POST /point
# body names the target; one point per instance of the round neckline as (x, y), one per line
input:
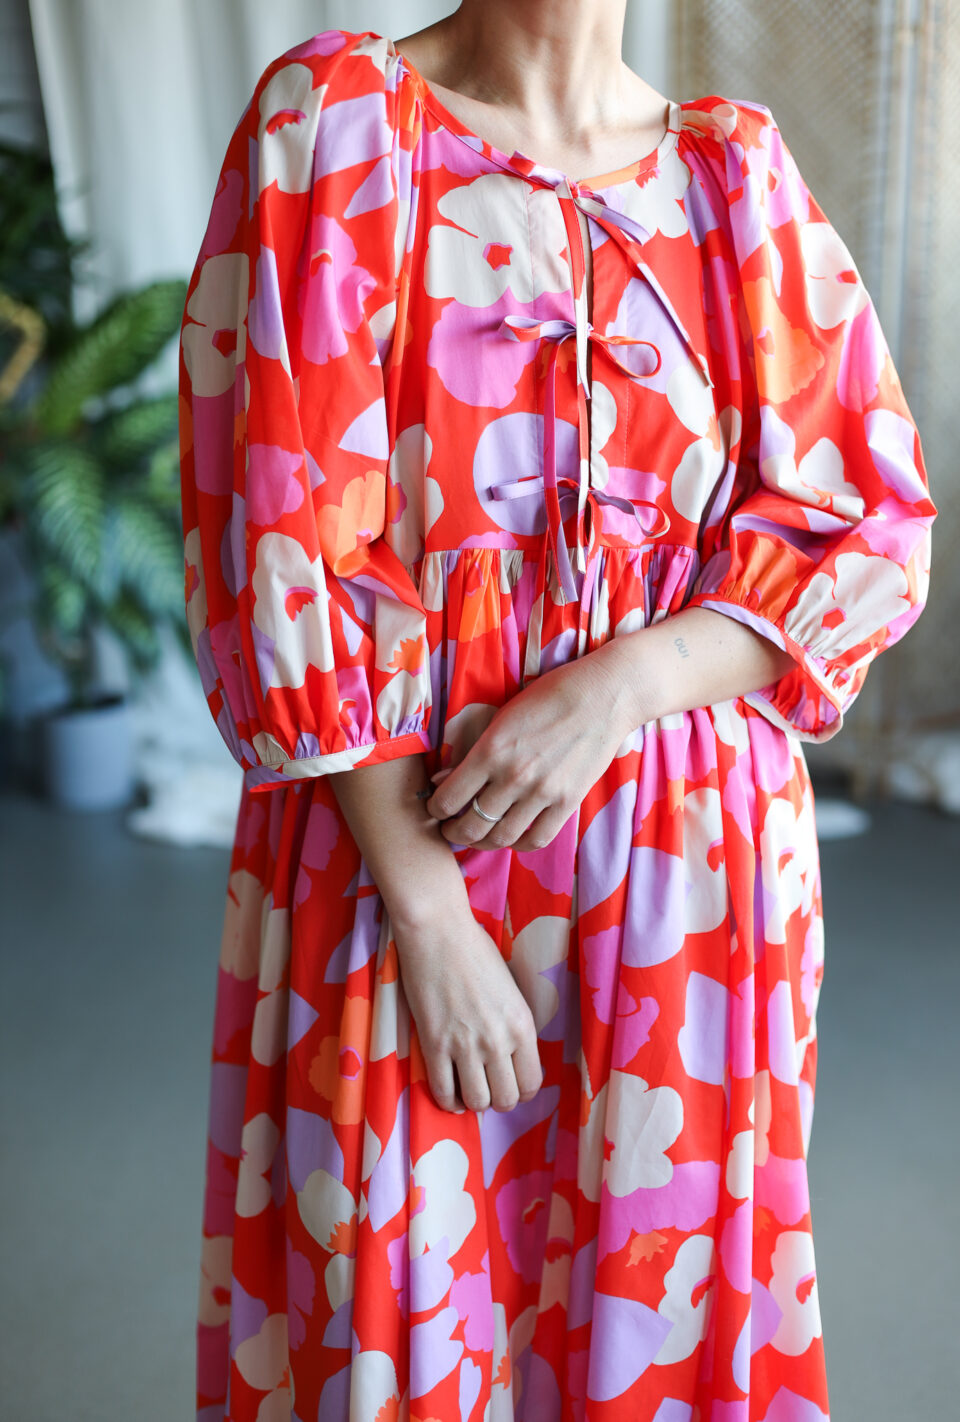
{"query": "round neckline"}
(518, 160)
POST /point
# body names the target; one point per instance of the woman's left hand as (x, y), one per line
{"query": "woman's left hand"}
(538, 757)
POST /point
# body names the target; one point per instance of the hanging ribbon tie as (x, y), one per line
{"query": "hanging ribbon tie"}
(553, 485)
(555, 488)
(558, 490)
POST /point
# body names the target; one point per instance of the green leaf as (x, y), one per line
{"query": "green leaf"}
(136, 629)
(65, 507)
(163, 481)
(123, 340)
(63, 604)
(128, 434)
(144, 551)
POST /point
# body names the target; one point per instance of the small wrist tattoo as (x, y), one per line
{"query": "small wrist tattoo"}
(681, 646)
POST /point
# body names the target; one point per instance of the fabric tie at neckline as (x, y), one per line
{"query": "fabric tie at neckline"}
(556, 486)
(629, 235)
(559, 488)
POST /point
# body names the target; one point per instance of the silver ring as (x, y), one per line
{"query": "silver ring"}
(491, 819)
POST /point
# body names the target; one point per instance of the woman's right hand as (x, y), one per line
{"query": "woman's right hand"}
(472, 1020)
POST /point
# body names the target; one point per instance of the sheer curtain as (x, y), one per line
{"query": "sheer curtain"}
(864, 92)
(141, 99)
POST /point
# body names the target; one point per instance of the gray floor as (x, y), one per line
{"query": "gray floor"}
(106, 1011)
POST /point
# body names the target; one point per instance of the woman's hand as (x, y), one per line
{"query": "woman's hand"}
(538, 757)
(544, 749)
(476, 1030)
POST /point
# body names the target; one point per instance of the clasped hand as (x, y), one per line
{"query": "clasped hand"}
(537, 758)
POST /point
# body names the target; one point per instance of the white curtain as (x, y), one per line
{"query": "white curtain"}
(140, 101)
(867, 105)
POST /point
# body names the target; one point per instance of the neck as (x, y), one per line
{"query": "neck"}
(557, 62)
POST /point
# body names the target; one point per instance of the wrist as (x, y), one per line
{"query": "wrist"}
(433, 891)
(634, 681)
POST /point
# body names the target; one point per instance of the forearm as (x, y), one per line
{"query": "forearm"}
(411, 863)
(694, 658)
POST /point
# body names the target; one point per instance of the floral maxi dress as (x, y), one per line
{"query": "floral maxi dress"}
(417, 472)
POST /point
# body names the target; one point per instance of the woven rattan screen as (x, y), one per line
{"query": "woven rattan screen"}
(862, 91)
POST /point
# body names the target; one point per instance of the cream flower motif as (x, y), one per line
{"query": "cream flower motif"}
(693, 1265)
(195, 590)
(289, 112)
(541, 945)
(818, 479)
(327, 1209)
(258, 1147)
(214, 340)
(475, 260)
(290, 607)
(655, 204)
(703, 463)
(642, 1123)
(835, 292)
(409, 459)
(794, 1288)
(215, 1275)
(268, 1038)
(604, 413)
(590, 1148)
(449, 1208)
(338, 1279)
(276, 1406)
(373, 1386)
(691, 400)
(263, 1359)
(840, 609)
(240, 939)
(787, 852)
(705, 906)
(740, 1166)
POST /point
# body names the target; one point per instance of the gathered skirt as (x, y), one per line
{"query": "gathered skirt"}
(633, 1243)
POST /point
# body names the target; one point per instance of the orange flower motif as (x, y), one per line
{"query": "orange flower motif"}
(646, 1246)
(338, 1071)
(343, 1239)
(408, 656)
(358, 518)
(787, 359)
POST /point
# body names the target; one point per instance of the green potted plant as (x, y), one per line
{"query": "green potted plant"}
(89, 476)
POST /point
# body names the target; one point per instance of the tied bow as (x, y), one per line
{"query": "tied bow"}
(555, 488)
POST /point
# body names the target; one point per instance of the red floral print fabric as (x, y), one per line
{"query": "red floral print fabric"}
(417, 472)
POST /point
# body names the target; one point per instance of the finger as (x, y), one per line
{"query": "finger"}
(502, 1081)
(440, 1077)
(474, 1088)
(459, 787)
(471, 828)
(513, 825)
(527, 1069)
(544, 828)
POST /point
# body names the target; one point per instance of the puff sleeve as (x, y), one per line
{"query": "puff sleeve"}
(825, 546)
(308, 629)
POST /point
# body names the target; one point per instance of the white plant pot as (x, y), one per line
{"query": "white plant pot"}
(88, 755)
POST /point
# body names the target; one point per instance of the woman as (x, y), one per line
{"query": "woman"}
(532, 523)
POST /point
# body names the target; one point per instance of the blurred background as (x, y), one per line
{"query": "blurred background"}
(117, 796)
